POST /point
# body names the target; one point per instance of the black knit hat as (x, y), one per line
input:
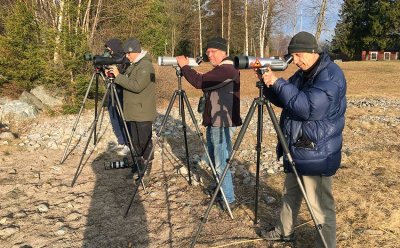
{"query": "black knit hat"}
(132, 45)
(218, 43)
(303, 42)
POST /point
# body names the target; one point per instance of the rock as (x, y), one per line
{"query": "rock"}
(7, 136)
(8, 231)
(44, 96)
(183, 171)
(269, 199)
(17, 111)
(32, 100)
(43, 208)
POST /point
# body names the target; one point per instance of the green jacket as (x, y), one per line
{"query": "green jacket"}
(139, 89)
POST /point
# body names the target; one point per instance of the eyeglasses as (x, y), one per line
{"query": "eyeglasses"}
(211, 51)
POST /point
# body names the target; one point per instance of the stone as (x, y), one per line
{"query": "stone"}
(16, 111)
(32, 100)
(8, 231)
(43, 208)
(44, 96)
(7, 136)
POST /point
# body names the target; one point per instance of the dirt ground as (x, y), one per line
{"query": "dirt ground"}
(39, 208)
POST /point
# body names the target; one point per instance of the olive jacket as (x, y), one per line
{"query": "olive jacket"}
(139, 89)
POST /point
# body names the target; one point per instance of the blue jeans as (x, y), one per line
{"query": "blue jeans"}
(116, 122)
(219, 144)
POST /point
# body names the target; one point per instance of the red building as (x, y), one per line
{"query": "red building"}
(379, 55)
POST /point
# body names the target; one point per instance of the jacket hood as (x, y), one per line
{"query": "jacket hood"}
(143, 55)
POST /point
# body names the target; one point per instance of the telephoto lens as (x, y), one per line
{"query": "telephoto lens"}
(117, 164)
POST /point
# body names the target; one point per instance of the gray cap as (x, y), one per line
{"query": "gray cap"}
(132, 45)
(303, 42)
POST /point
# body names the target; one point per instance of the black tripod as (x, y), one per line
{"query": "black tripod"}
(96, 75)
(260, 101)
(110, 89)
(183, 99)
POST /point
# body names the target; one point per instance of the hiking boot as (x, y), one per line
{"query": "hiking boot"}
(274, 235)
(232, 205)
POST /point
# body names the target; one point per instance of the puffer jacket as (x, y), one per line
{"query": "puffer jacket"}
(139, 89)
(312, 119)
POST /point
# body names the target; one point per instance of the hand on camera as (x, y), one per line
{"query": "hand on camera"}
(113, 70)
(182, 61)
(269, 78)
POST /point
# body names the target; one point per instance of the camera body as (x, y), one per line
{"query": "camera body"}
(273, 63)
(171, 61)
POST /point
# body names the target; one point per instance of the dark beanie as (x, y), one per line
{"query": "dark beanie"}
(218, 43)
(303, 42)
(132, 45)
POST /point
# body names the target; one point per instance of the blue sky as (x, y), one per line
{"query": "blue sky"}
(309, 19)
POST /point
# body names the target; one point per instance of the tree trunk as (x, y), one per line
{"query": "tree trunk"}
(321, 20)
(263, 26)
(200, 28)
(246, 25)
(95, 21)
(60, 17)
(222, 18)
(229, 24)
(86, 19)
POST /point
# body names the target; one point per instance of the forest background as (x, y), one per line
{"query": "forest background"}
(42, 42)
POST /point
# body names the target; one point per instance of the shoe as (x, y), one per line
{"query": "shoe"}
(232, 206)
(124, 151)
(274, 235)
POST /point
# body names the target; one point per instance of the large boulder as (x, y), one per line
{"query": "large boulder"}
(32, 100)
(45, 97)
(16, 111)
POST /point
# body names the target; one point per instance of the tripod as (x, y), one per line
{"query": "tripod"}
(260, 101)
(110, 89)
(96, 75)
(182, 100)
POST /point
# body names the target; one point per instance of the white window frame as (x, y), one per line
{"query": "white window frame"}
(384, 55)
(372, 54)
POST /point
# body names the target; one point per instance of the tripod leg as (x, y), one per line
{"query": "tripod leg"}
(163, 123)
(90, 136)
(96, 100)
(182, 112)
(228, 165)
(131, 148)
(285, 147)
(77, 119)
(199, 134)
(258, 149)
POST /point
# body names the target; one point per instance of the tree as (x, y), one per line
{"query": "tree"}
(367, 25)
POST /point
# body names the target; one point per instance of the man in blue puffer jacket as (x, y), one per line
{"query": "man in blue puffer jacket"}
(312, 120)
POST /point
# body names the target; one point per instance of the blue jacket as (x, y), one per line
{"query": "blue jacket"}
(312, 119)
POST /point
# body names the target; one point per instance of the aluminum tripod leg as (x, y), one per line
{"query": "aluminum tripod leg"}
(158, 135)
(228, 165)
(214, 172)
(110, 89)
(285, 147)
(77, 119)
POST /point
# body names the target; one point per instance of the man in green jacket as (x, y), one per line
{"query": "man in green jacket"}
(138, 84)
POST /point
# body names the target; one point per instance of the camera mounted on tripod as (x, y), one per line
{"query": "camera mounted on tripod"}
(102, 62)
(171, 61)
(263, 64)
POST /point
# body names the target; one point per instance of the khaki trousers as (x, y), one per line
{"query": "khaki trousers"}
(319, 192)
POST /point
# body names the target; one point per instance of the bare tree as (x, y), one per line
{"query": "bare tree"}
(229, 24)
(321, 19)
(222, 18)
(263, 25)
(246, 25)
(200, 28)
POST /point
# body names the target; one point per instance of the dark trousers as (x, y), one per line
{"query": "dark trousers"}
(141, 132)
(116, 121)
